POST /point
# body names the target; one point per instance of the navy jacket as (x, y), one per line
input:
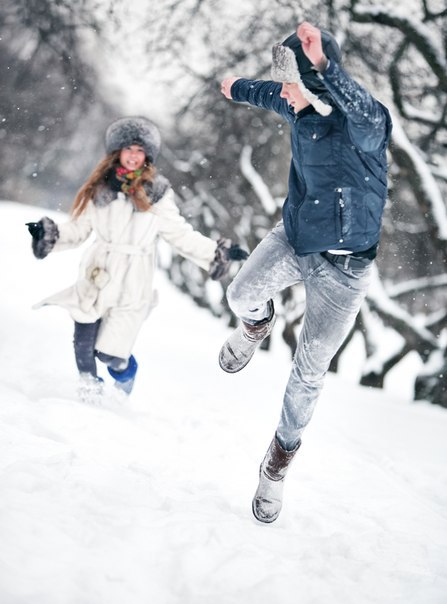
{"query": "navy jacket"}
(338, 173)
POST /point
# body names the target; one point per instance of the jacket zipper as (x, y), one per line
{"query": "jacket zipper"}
(341, 205)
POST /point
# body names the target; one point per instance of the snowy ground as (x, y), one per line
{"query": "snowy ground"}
(149, 500)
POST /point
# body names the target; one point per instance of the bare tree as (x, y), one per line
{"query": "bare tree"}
(48, 98)
(229, 163)
(416, 225)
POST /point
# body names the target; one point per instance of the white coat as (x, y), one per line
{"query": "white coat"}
(116, 272)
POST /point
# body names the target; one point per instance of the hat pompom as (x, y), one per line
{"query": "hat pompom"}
(135, 130)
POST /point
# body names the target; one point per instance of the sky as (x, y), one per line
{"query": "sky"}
(148, 499)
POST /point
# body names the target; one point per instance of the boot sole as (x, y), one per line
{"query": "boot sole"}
(225, 367)
(259, 519)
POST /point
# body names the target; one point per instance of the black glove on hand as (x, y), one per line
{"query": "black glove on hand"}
(36, 229)
(235, 252)
(226, 251)
(45, 234)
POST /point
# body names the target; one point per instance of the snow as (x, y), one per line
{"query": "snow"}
(255, 179)
(149, 499)
(410, 25)
(380, 297)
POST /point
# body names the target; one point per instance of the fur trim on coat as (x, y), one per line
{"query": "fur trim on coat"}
(43, 246)
(154, 191)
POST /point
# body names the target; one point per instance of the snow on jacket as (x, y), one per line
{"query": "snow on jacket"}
(338, 173)
(116, 272)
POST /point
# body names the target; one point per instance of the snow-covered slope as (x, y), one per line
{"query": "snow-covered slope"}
(149, 500)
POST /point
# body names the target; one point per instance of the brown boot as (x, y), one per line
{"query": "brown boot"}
(237, 351)
(267, 502)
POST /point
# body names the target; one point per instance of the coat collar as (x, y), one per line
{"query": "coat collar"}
(155, 191)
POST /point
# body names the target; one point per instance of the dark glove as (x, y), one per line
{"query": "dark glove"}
(36, 229)
(45, 234)
(226, 251)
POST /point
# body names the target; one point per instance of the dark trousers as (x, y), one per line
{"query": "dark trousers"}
(84, 341)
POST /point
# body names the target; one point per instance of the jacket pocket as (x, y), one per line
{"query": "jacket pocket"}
(317, 144)
(98, 276)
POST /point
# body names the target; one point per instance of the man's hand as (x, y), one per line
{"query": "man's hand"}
(310, 37)
(226, 85)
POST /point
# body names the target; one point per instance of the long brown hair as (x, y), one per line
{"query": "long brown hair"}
(138, 195)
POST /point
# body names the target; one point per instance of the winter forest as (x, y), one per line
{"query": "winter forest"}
(68, 68)
(147, 498)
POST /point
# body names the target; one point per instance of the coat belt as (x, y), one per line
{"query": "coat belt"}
(125, 248)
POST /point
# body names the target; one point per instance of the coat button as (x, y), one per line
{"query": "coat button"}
(314, 136)
(316, 201)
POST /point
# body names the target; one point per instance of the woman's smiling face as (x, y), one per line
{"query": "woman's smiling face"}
(132, 157)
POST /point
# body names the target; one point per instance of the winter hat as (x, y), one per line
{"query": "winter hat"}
(290, 64)
(128, 131)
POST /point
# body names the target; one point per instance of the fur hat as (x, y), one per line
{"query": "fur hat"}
(128, 131)
(290, 64)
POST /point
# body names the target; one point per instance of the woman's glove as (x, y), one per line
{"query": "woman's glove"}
(226, 251)
(45, 234)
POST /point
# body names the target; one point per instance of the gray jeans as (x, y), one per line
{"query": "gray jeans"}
(333, 298)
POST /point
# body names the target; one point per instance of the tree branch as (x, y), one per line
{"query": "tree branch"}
(415, 33)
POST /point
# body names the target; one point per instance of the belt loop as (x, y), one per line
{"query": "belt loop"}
(347, 259)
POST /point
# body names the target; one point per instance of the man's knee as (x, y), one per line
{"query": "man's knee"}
(245, 306)
(234, 296)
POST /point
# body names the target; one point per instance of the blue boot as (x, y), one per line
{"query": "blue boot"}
(124, 380)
